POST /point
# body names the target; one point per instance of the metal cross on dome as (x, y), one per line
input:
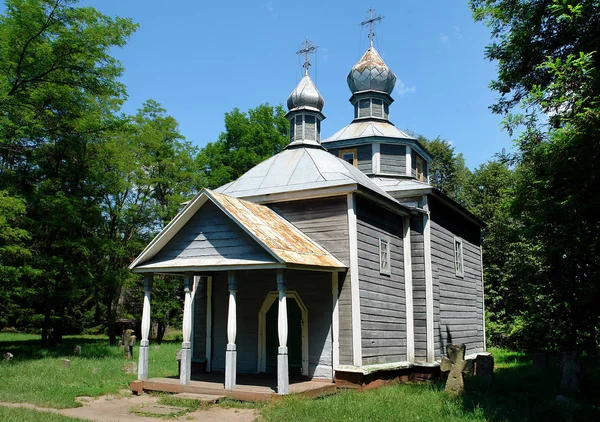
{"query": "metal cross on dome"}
(307, 47)
(371, 21)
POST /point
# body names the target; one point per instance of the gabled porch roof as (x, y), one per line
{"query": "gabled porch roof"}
(265, 240)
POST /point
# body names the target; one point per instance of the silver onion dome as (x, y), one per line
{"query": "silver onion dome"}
(371, 74)
(306, 95)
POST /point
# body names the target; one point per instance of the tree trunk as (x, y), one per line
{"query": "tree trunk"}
(111, 323)
(161, 329)
(46, 328)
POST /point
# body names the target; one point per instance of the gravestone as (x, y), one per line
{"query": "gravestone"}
(66, 363)
(95, 370)
(484, 367)
(156, 347)
(128, 341)
(129, 368)
(571, 369)
(8, 356)
(77, 350)
(454, 364)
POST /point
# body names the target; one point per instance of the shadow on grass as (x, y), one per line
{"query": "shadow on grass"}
(30, 349)
(523, 393)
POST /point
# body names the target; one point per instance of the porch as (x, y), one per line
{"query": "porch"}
(249, 387)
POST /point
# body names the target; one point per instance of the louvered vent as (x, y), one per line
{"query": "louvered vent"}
(310, 132)
(377, 108)
(299, 128)
(364, 108)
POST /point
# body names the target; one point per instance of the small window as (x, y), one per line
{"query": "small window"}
(458, 257)
(349, 155)
(384, 257)
(420, 169)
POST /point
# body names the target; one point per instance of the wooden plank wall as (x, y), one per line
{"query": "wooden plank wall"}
(365, 158)
(393, 159)
(199, 328)
(382, 297)
(210, 233)
(460, 298)
(418, 273)
(326, 222)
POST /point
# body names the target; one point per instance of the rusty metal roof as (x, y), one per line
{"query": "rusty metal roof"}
(279, 236)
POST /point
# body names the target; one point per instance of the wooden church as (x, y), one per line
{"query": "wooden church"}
(332, 259)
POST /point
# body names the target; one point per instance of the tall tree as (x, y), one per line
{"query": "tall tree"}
(249, 138)
(59, 92)
(548, 64)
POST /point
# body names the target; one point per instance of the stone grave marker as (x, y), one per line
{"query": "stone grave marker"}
(571, 369)
(8, 356)
(77, 350)
(129, 368)
(128, 341)
(454, 364)
(66, 363)
(484, 367)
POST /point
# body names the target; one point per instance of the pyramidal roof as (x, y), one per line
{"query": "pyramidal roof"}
(368, 129)
(297, 169)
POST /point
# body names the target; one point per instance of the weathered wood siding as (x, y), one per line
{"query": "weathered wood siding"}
(199, 324)
(460, 299)
(382, 297)
(418, 274)
(392, 159)
(364, 156)
(210, 233)
(314, 288)
(326, 222)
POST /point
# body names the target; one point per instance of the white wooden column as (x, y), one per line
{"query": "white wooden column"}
(144, 343)
(354, 282)
(376, 161)
(408, 293)
(283, 377)
(231, 353)
(428, 281)
(208, 323)
(186, 351)
(408, 161)
(335, 323)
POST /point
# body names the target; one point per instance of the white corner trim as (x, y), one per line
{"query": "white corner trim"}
(376, 161)
(335, 323)
(208, 324)
(261, 365)
(354, 282)
(482, 295)
(408, 289)
(408, 161)
(428, 280)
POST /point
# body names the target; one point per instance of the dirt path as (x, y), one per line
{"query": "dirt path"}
(114, 408)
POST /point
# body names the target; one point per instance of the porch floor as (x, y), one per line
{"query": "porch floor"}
(250, 387)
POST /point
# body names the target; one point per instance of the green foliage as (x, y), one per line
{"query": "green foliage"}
(249, 138)
(548, 65)
(447, 171)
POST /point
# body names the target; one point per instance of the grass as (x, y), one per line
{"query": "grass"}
(519, 392)
(37, 375)
(18, 414)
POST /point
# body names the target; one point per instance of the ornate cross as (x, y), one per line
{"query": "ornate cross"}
(371, 21)
(307, 48)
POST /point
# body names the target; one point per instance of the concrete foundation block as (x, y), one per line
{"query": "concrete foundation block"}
(143, 363)
(283, 378)
(186, 366)
(230, 367)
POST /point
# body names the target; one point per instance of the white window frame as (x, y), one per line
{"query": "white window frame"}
(385, 262)
(459, 260)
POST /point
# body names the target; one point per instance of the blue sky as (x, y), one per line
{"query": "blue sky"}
(200, 59)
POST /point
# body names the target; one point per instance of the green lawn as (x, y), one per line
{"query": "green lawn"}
(518, 392)
(37, 375)
(12, 414)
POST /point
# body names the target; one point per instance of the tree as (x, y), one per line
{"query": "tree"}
(59, 93)
(447, 171)
(249, 138)
(548, 65)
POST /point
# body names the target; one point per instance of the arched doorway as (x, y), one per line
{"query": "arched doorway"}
(268, 338)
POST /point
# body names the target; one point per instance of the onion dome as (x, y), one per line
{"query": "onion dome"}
(371, 74)
(305, 96)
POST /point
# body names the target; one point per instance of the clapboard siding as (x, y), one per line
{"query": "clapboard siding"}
(460, 298)
(382, 297)
(418, 273)
(326, 222)
(199, 328)
(211, 234)
(392, 159)
(314, 288)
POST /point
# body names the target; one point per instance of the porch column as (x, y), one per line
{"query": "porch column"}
(283, 378)
(231, 354)
(144, 343)
(335, 323)
(186, 350)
